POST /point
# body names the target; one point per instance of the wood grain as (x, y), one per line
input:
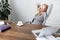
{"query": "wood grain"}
(20, 33)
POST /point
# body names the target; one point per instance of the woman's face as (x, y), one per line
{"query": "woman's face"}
(43, 8)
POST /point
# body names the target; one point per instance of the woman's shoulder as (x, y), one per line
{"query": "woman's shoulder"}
(40, 14)
(37, 14)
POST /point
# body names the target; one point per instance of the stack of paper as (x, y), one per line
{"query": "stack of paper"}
(42, 38)
(2, 23)
(45, 33)
(58, 38)
(46, 38)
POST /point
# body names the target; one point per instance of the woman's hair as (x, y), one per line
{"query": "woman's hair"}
(45, 10)
(44, 5)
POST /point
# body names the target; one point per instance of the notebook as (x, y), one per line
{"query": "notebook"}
(4, 27)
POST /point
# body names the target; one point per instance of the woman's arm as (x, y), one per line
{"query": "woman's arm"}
(47, 13)
(49, 10)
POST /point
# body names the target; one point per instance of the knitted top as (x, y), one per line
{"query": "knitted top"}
(40, 19)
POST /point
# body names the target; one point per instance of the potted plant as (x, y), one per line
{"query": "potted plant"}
(4, 10)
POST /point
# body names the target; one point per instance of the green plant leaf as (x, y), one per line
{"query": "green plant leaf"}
(5, 9)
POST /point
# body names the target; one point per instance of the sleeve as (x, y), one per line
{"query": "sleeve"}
(33, 18)
(45, 18)
(49, 10)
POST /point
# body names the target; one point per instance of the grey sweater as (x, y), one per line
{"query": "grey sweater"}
(40, 19)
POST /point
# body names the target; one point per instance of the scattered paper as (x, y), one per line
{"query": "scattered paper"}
(41, 38)
(2, 22)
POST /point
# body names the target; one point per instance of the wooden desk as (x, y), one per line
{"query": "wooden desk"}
(20, 33)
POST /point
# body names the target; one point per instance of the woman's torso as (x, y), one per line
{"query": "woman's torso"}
(38, 19)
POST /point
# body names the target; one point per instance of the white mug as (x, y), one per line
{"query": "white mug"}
(19, 23)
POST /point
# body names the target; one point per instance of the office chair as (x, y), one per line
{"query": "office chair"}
(48, 13)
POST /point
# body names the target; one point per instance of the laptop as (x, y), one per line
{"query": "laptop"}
(36, 32)
(45, 31)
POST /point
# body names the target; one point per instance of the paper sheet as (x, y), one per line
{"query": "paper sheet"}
(41, 38)
(47, 38)
(1, 22)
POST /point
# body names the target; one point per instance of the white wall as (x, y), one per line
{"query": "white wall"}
(25, 9)
(0, 0)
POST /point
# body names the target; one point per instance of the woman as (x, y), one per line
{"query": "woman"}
(41, 15)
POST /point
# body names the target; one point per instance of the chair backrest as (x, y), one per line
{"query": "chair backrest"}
(50, 6)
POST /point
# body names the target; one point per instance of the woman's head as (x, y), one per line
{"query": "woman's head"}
(43, 8)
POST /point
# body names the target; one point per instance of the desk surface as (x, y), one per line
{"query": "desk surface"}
(20, 33)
